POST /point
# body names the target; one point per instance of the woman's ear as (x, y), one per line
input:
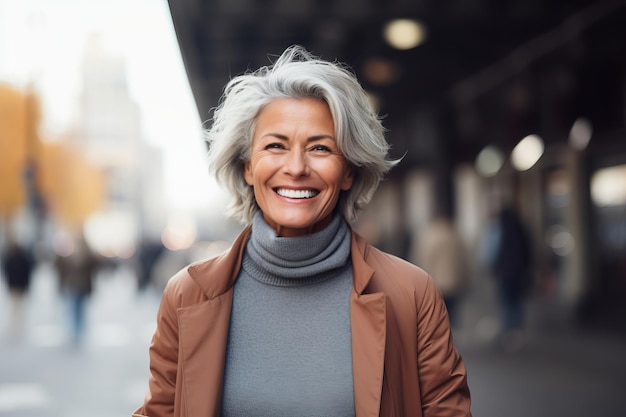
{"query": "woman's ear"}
(348, 179)
(247, 173)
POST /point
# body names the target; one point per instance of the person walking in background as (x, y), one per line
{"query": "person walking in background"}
(148, 254)
(301, 316)
(17, 267)
(509, 255)
(440, 250)
(76, 273)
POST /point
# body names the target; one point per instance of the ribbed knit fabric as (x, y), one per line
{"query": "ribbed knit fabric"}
(295, 261)
(289, 348)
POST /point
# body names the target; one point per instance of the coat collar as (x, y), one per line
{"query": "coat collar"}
(229, 262)
(363, 272)
(223, 269)
(368, 322)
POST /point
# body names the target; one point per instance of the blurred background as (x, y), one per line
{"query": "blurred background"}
(510, 115)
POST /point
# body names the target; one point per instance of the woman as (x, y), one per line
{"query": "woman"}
(301, 317)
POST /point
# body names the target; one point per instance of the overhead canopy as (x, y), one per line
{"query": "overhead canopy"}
(487, 68)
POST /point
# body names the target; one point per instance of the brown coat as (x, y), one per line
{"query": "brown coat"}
(404, 361)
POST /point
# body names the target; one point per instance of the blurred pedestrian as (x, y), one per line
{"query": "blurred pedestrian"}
(441, 251)
(301, 316)
(17, 267)
(77, 270)
(147, 257)
(509, 254)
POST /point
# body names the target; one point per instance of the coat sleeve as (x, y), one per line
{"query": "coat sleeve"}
(159, 400)
(442, 373)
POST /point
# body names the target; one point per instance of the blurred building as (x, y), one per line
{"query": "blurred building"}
(110, 131)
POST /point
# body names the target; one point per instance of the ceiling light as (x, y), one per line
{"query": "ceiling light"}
(527, 152)
(404, 33)
(580, 133)
(608, 186)
(489, 161)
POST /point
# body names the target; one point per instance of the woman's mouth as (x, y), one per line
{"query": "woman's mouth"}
(284, 192)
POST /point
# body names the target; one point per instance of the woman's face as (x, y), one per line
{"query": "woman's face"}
(295, 166)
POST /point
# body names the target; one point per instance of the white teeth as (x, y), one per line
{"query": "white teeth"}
(296, 193)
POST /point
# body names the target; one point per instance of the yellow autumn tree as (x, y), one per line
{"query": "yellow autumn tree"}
(72, 187)
(68, 184)
(19, 144)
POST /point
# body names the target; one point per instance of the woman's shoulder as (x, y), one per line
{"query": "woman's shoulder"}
(395, 266)
(405, 284)
(210, 277)
(188, 277)
(392, 269)
(182, 286)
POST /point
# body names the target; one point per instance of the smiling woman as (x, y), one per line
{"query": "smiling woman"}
(301, 316)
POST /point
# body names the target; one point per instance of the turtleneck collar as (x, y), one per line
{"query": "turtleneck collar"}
(291, 261)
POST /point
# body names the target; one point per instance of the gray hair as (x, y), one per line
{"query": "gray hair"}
(298, 74)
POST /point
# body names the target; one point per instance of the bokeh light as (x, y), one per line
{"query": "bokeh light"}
(527, 152)
(404, 33)
(580, 133)
(489, 161)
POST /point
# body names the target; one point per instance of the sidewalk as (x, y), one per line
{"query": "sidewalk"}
(559, 370)
(45, 375)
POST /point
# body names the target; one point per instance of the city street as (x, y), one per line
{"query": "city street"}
(557, 373)
(561, 376)
(45, 375)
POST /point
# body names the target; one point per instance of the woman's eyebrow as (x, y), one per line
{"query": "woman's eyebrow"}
(320, 137)
(309, 139)
(275, 135)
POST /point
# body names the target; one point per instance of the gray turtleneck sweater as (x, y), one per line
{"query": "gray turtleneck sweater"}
(289, 348)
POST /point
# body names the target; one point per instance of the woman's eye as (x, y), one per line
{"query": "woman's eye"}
(321, 148)
(274, 145)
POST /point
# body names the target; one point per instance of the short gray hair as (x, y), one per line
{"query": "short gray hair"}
(298, 74)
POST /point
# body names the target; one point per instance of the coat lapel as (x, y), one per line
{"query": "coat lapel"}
(368, 318)
(203, 335)
(204, 332)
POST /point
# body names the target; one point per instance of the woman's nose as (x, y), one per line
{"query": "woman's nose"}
(295, 163)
